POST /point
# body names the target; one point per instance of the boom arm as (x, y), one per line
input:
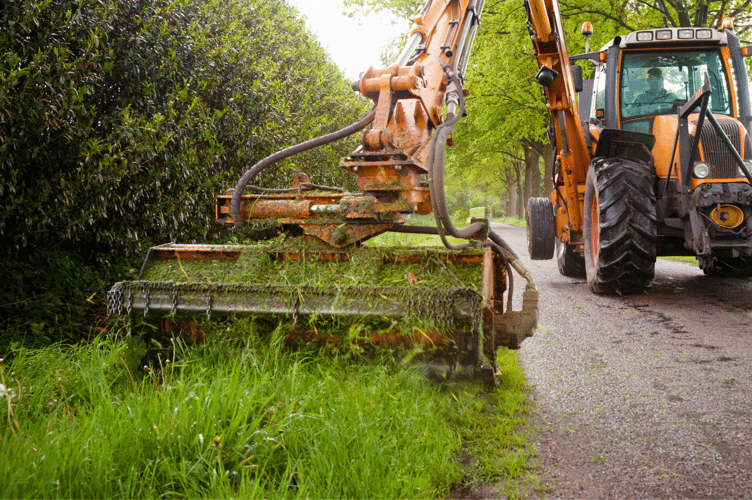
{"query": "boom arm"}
(547, 33)
(409, 97)
(399, 149)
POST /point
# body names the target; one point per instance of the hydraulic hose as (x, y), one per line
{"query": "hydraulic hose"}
(436, 172)
(436, 185)
(240, 188)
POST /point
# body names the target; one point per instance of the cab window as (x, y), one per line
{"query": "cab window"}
(654, 83)
(599, 89)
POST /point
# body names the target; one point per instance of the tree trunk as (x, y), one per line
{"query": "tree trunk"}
(528, 180)
(512, 200)
(520, 191)
(535, 179)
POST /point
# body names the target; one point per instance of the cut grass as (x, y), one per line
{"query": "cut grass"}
(243, 416)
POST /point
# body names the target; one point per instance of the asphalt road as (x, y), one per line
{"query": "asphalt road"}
(641, 396)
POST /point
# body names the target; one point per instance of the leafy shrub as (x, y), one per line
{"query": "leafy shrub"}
(120, 121)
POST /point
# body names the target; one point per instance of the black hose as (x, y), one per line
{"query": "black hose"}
(436, 185)
(436, 171)
(305, 186)
(240, 188)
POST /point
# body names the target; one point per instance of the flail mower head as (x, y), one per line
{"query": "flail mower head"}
(450, 301)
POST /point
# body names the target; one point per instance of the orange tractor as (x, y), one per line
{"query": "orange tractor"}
(653, 157)
(449, 300)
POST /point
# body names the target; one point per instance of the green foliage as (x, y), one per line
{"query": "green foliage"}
(401, 9)
(120, 122)
(237, 417)
(46, 295)
(632, 16)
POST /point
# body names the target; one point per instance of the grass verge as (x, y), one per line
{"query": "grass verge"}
(241, 415)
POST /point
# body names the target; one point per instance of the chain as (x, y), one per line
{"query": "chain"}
(129, 308)
(174, 302)
(146, 294)
(115, 300)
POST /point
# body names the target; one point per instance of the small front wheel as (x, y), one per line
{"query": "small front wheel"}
(541, 228)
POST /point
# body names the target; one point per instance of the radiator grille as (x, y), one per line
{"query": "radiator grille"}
(722, 164)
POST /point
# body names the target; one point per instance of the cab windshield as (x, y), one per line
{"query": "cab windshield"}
(653, 82)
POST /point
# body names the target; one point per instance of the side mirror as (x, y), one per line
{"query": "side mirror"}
(577, 77)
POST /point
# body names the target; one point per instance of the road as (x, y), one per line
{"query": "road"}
(641, 396)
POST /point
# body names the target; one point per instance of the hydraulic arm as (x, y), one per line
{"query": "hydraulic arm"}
(555, 75)
(398, 149)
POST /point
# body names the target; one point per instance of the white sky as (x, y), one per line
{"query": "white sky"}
(353, 43)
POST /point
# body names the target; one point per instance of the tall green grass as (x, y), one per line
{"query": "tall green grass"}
(242, 415)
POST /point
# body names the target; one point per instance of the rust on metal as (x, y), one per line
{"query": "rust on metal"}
(187, 252)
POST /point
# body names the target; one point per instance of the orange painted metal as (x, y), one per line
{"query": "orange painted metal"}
(409, 102)
(551, 51)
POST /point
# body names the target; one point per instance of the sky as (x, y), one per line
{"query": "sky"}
(353, 43)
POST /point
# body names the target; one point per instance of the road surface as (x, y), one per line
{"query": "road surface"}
(641, 396)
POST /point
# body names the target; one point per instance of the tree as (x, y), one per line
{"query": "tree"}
(400, 9)
(640, 14)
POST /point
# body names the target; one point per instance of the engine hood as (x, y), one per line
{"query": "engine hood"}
(712, 149)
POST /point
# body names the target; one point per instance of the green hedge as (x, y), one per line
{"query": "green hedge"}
(120, 121)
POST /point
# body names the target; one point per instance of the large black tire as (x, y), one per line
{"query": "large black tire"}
(620, 229)
(740, 267)
(571, 263)
(541, 228)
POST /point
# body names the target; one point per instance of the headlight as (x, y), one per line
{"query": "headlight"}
(728, 216)
(701, 170)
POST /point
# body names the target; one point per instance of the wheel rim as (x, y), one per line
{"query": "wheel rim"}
(594, 229)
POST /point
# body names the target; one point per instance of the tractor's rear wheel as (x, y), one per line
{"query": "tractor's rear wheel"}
(620, 229)
(740, 267)
(541, 228)
(571, 263)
